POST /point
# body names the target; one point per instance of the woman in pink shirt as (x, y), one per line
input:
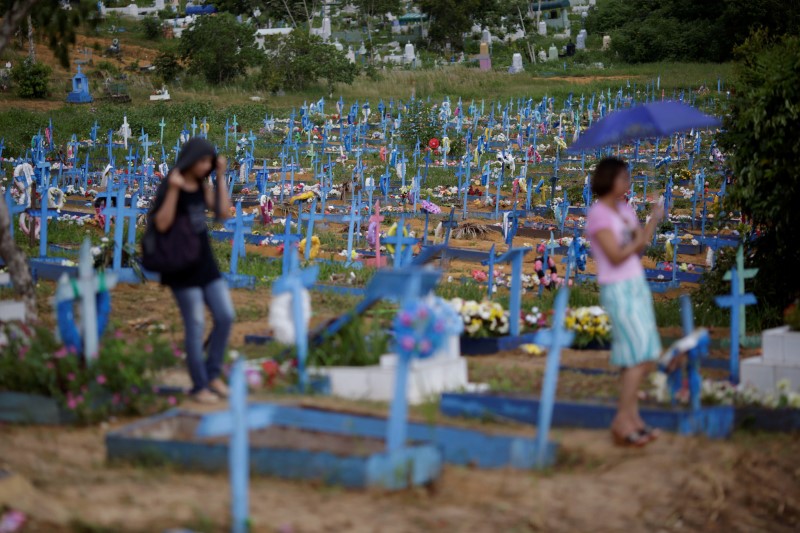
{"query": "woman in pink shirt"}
(617, 239)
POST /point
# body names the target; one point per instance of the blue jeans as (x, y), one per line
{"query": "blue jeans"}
(190, 300)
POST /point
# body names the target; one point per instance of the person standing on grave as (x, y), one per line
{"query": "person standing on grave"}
(187, 192)
(617, 240)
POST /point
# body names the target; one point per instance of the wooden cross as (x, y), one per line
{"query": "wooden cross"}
(376, 219)
(735, 301)
(162, 125)
(743, 274)
(110, 147)
(403, 245)
(515, 257)
(289, 239)
(194, 126)
(449, 225)
(490, 262)
(310, 217)
(240, 225)
(351, 220)
(121, 213)
(45, 212)
(295, 282)
(237, 422)
(14, 208)
(86, 288)
(555, 338)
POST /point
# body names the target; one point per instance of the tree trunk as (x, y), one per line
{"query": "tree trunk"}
(31, 48)
(17, 264)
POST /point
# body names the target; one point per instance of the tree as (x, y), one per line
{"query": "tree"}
(152, 27)
(297, 60)
(218, 47)
(761, 137)
(687, 30)
(31, 79)
(450, 19)
(167, 66)
(293, 12)
(58, 25)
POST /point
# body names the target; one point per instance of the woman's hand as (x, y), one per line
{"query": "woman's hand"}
(657, 212)
(222, 166)
(176, 180)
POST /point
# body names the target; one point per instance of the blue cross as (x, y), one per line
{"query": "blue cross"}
(121, 214)
(162, 125)
(240, 225)
(449, 225)
(296, 282)
(515, 257)
(237, 422)
(403, 245)
(490, 262)
(194, 126)
(310, 217)
(44, 212)
(13, 207)
(735, 301)
(289, 239)
(351, 219)
(554, 340)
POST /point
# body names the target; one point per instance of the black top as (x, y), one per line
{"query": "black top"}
(192, 205)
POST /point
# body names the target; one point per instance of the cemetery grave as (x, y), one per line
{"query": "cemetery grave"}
(452, 316)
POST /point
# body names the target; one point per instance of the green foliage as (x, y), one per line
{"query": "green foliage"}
(420, 123)
(656, 253)
(680, 30)
(760, 137)
(167, 66)
(357, 344)
(297, 60)
(59, 26)
(31, 79)
(450, 19)
(151, 26)
(219, 48)
(120, 381)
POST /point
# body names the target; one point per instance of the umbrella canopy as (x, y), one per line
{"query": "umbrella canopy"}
(657, 119)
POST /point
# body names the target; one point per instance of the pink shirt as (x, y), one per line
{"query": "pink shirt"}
(622, 223)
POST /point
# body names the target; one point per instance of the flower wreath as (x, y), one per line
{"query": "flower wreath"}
(419, 330)
(391, 233)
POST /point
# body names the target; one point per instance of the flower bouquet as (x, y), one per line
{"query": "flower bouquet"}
(429, 207)
(484, 319)
(591, 325)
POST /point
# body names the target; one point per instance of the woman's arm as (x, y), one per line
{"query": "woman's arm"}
(222, 191)
(616, 254)
(656, 215)
(165, 216)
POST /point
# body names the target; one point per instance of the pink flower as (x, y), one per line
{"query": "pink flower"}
(60, 353)
(405, 319)
(70, 377)
(101, 379)
(407, 343)
(172, 400)
(177, 353)
(50, 365)
(425, 346)
(72, 403)
(118, 334)
(115, 399)
(148, 348)
(479, 276)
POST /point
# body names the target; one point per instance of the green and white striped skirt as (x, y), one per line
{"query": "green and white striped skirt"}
(635, 337)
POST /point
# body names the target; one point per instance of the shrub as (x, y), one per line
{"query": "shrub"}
(120, 380)
(167, 66)
(32, 79)
(219, 48)
(151, 26)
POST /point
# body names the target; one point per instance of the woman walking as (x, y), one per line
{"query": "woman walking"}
(187, 192)
(617, 239)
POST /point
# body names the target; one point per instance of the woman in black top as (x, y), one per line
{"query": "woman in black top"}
(186, 192)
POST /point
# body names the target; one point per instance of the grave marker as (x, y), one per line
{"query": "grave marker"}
(735, 301)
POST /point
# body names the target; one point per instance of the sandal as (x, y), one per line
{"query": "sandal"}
(205, 397)
(635, 439)
(650, 432)
(219, 388)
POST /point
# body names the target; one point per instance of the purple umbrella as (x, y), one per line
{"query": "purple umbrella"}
(658, 119)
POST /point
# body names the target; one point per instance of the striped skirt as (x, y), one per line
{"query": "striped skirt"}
(635, 337)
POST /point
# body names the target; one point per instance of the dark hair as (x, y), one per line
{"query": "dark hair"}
(195, 149)
(605, 173)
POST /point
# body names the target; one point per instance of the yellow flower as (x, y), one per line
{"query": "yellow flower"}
(532, 349)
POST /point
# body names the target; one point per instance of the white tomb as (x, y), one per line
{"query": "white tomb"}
(552, 53)
(516, 64)
(542, 28)
(408, 53)
(780, 361)
(606, 42)
(581, 41)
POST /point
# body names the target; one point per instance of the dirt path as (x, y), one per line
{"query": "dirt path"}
(748, 484)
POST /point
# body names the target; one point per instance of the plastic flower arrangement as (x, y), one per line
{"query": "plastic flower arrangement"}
(725, 393)
(590, 324)
(430, 207)
(535, 319)
(484, 319)
(419, 330)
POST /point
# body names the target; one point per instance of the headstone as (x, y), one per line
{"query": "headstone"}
(552, 53)
(516, 64)
(408, 54)
(606, 42)
(581, 44)
(326, 29)
(80, 89)
(542, 28)
(484, 59)
(735, 301)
